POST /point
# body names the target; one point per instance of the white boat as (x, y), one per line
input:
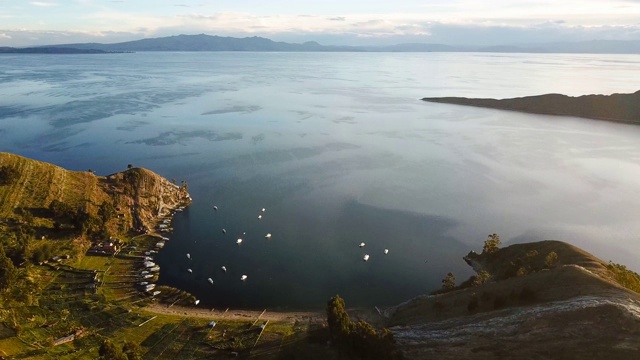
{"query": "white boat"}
(239, 241)
(156, 293)
(224, 231)
(215, 207)
(224, 268)
(263, 209)
(144, 272)
(148, 258)
(148, 276)
(268, 236)
(210, 280)
(243, 277)
(188, 256)
(366, 257)
(190, 271)
(160, 244)
(165, 238)
(149, 287)
(143, 283)
(149, 264)
(386, 251)
(155, 269)
(361, 244)
(197, 302)
(259, 216)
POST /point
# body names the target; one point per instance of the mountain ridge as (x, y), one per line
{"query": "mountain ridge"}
(204, 42)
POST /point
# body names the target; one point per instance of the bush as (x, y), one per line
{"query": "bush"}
(551, 260)
(8, 175)
(492, 244)
(449, 281)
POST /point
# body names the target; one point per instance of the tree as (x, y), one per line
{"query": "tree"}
(8, 272)
(551, 260)
(132, 351)
(492, 244)
(129, 166)
(481, 278)
(338, 319)
(109, 351)
(449, 281)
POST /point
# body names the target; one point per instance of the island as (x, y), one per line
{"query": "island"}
(616, 107)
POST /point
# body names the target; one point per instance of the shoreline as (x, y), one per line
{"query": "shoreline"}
(237, 314)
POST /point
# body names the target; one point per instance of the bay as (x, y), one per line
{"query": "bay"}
(339, 150)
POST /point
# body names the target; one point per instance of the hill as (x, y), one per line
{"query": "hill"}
(572, 308)
(135, 198)
(49, 50)
(204, 42)
(615, 107)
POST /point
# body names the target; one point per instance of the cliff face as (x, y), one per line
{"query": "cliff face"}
(573, 309)
(137, 196)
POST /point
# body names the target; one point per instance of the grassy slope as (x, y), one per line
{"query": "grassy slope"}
(60, 303)
(576, 273)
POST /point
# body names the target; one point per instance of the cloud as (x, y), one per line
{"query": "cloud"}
(337, 18)
(42, 3)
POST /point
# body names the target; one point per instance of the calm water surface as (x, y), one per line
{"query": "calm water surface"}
(339, 150)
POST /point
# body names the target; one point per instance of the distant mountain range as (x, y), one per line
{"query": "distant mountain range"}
(204, 42)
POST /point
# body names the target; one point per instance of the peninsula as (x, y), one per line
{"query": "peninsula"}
(616, 107)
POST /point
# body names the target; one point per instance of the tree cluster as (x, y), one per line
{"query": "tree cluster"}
(492, 244)
(110, 351)
(358, 338)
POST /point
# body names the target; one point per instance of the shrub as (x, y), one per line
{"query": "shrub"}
(521, 272)
(449, 281)
(8, 175)
(551, 260)
(481, 278)
(492, 244)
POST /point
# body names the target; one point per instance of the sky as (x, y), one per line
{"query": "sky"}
(329, 22)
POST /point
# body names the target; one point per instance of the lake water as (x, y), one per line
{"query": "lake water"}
(339, 150)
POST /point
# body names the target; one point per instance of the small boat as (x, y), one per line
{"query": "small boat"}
(148, 276)
(144, 272)
(148, 258)
(215, 207)
(156, 293)
(361, 244)
(188, 256)
(155, 269)
(165, 238)
(190, 271)
(197, 302)
(243, 277)
(268, 236)
(386, 251)
(224, 231)
(143, 283)
(263, 209)
(224, 268)
(239, 241)
(259, 216)
(366, 257)
(210, 280)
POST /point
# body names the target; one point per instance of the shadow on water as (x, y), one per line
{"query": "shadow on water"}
(311, 259)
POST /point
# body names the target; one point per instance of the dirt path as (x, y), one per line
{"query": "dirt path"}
(249, 315)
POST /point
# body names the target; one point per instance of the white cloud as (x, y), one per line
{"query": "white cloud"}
(42, 3)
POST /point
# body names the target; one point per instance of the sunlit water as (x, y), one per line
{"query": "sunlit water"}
(339, 150)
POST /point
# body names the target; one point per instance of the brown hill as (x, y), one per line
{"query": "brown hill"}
(615, 107)
(574, 310)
